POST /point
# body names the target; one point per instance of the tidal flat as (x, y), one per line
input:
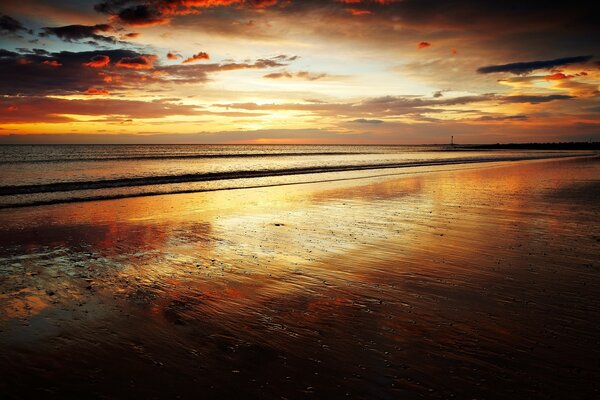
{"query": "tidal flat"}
(443, 282)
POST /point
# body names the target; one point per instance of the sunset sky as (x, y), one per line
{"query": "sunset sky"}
(291, 71)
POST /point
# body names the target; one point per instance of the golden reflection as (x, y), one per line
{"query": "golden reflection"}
(22, 303)
(366, 277)
(360, 270)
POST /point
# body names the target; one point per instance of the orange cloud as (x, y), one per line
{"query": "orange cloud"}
(160, 11)
(140, 62)
(423, 45)
(367, 1)
(52, 63)
(94, 91)
(557, 77)
(358, 11)
(196, 57)
(99, 61)
(173, 55)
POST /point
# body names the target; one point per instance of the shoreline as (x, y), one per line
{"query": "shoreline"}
(116, 184)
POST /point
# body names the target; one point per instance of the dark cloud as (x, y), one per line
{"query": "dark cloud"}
(8, 54)
(141, 15)
(9, 25)
(44, 109)
(503, 118)
(534, 99)
(141, 61)
(487, 13)
(34, 51)
(52, 63)
(98, 61)
(70, 33)
(113, 70)
(26, 74)
(368, 121)
(155, 12)
(520, 68)
(509, 24)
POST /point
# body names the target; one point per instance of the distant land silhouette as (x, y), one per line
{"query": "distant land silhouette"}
(535, 146)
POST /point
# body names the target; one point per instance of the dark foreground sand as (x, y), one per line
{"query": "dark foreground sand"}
(476, 283)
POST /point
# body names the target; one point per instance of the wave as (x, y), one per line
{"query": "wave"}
(229, 175)
(178, 157)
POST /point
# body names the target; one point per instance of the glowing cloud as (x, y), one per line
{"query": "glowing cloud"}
(196, 57)
(52, 63)
(94, 91)
(98, 61)
(140, 62)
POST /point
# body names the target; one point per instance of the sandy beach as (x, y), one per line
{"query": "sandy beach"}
(467, 281)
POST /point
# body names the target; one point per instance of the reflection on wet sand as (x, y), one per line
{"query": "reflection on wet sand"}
(481, 282)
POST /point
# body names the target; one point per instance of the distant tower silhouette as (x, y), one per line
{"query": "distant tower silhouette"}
(451, 140)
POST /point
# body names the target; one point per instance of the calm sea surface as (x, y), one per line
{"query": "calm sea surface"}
(31, 175)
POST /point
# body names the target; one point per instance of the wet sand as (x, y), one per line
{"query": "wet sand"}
(467, 282)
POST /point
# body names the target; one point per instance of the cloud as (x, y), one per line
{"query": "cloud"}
(71, 33)
(521, 68)
(142, 15)
(46, 109)
(191, 73)
(26, 74)
(503, 118)
(395, 106)
(173, 55)
(41, 52)
(98, 61)
(6, 54)
(358, 11)
(368, 121)
(115, 70)
(557, 76)
(9, 25)
(533, 99)
(96, 91)
(305, 75)
(423, 45)
(157, 12)
(196, 57)
(278, 75)
(142, 61)
(52, 63)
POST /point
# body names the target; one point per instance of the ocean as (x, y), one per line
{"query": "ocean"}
(48, 174)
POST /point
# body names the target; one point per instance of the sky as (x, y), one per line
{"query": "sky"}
(298, 71)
